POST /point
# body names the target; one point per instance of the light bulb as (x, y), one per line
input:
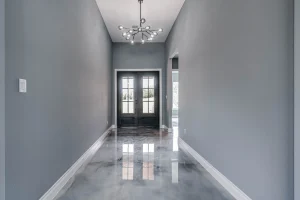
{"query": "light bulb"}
(150, 39)
(143, 41)
(132, 42)
(160, 30)
(140, 29)
(124, 34)
(152, 36)
(127, 38)
(143, 21)
(148, 27)
(155, 33)
(130, 31)
(121, 27)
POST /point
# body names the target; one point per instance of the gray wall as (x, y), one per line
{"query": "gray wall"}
(236, 90)
(147, 56)
(63, 49)
(297, 100)
(2, 100)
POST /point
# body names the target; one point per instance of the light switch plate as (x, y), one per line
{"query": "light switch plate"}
(22, 86)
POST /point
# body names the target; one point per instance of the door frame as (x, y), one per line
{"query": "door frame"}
(137, 70)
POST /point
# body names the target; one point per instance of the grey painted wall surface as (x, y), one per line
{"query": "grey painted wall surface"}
(147, 56)
(2, 100)
(63, 49)
(236, 90)
(297, 100)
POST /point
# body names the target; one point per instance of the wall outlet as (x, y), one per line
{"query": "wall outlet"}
(22, 86)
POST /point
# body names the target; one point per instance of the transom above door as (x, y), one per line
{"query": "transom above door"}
(138, 99)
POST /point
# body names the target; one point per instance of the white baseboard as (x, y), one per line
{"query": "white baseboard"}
(164, 127)
(114, 126)
(226, 183)
(170, 130)
(81, 162)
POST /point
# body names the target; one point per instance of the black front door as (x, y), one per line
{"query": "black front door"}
(138, 99)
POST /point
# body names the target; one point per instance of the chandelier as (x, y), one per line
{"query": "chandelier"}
(146, 33)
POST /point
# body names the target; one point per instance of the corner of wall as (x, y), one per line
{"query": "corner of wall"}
(2, 99)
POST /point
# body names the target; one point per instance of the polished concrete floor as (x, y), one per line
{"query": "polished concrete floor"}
(143, 164)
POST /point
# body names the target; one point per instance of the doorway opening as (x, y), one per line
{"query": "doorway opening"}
(175, 92)
(175, 103)
(138, 99)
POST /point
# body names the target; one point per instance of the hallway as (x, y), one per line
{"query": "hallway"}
(143, 164)
(74, 74)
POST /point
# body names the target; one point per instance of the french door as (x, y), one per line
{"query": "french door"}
(138, 99)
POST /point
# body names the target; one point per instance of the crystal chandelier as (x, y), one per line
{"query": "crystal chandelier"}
(146, 33)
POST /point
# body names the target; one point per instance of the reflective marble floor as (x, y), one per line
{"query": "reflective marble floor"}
(143, 164)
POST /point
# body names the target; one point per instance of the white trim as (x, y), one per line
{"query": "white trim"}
(175, 53)
(81, 162)
(170, 130)
(139, 70)
(226, 183)
(164, 127)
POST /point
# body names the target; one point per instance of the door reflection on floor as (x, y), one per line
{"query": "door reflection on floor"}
(148, 161)
(131, 153)
(128, 162)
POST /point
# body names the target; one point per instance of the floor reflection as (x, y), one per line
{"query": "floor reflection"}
(143, 164)
(148, 161)
(128, 162)
(175, 138)
(174, 171)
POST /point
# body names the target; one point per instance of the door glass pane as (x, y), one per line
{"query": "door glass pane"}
(151, 82)
(145, 82)
(145, 107)
(131, 95)
(125, 95)
(131, 85)
(151, 107)
(131, 107)
(125, 82)
(125, 107)
(151, 95)
(145, 94)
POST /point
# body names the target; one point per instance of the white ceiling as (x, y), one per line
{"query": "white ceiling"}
(158, 13)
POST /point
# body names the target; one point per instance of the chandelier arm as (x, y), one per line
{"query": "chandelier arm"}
(149, 33)
(145, 35)
(140, 13)
(133, 35)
